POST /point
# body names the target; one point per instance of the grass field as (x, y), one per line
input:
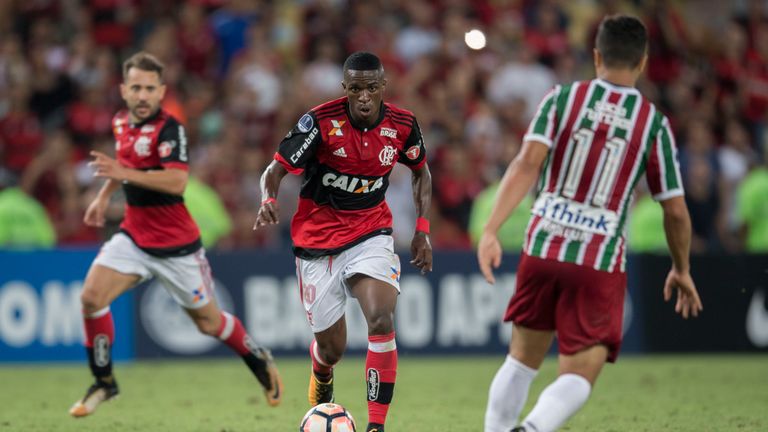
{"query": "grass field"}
(661, 393)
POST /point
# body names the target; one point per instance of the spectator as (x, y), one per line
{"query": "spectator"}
(208, 211)
(753, 209)
(24, 223)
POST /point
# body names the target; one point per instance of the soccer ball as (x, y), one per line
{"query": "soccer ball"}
(327, 417)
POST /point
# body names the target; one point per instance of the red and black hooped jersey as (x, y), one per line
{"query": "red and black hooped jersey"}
(346, 174)
(157, 222)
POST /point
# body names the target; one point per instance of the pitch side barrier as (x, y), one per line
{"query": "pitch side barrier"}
(450, 311)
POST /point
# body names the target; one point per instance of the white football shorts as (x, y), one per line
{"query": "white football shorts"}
(186, 278)
(323, 281)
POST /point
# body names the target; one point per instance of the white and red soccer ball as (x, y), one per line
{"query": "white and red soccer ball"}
(327, 417)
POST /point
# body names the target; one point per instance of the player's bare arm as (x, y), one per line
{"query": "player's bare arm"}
(421, 248)
(520, 177)
(170, 180)
(269, 213)
(677, 226)
(95, 214)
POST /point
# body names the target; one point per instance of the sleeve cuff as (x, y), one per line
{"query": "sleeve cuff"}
(418, 165)
(538, 138)
(176, 165)
(291, 169)
(668, 194)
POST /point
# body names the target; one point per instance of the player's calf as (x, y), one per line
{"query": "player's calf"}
(320, 378)
(381, 371)
(258, 359)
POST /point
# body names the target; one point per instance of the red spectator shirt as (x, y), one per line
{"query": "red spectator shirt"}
(157, 222)
(346, 174)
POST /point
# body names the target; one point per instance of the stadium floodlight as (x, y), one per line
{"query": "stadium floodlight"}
(475, 39)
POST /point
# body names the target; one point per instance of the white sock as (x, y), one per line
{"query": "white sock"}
(509, 390)
(558, 402)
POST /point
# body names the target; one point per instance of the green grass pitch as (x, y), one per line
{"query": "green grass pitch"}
(644, 393)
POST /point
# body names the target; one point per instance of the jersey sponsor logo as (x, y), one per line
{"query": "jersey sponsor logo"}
(182, 144)
(336, 129)
(305, 123)
(387, 155)
(166, 148)
(340, 152)
(147, 129)
(570, 214)
(352, 184)
(609, 113)
(374, 383)
(389, 133)
(141, 146)
(413, 152)
(307, 141)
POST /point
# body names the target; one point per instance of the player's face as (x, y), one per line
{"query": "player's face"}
(365, 91)
(142, 92)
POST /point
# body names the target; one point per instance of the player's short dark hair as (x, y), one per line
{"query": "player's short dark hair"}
(362, 61)
(622, 41)
(144, 61)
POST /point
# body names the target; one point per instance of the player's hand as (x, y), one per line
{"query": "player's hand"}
(421, 251)
(488, 254)
(107, 167)
(688, 301)
(268, 214)
(95, 214)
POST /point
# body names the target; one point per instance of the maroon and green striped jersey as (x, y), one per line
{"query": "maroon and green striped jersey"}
(602, 138)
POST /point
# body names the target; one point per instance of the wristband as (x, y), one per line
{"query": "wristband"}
(422, 225)
(268, 200)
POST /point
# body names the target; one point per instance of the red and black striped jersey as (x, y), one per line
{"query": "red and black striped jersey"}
(157, 222)
(346, 174)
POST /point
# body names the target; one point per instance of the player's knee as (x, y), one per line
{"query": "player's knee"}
(92, 301)
(381, 323)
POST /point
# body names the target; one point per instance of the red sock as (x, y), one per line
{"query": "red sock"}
(380, 371)
(233, 333)
(99, 335)
(320, 367)
(98, 323)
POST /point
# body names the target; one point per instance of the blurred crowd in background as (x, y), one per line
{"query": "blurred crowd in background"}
(241, 72)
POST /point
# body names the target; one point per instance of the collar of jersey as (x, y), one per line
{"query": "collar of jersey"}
(617, 86)
(357, 126)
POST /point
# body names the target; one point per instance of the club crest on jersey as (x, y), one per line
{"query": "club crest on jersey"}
(305, 123)
(413, 152)
(352, 184)
(387, 155)
(336, 129)
(389, 133)
(166, 148)
(141, 146)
